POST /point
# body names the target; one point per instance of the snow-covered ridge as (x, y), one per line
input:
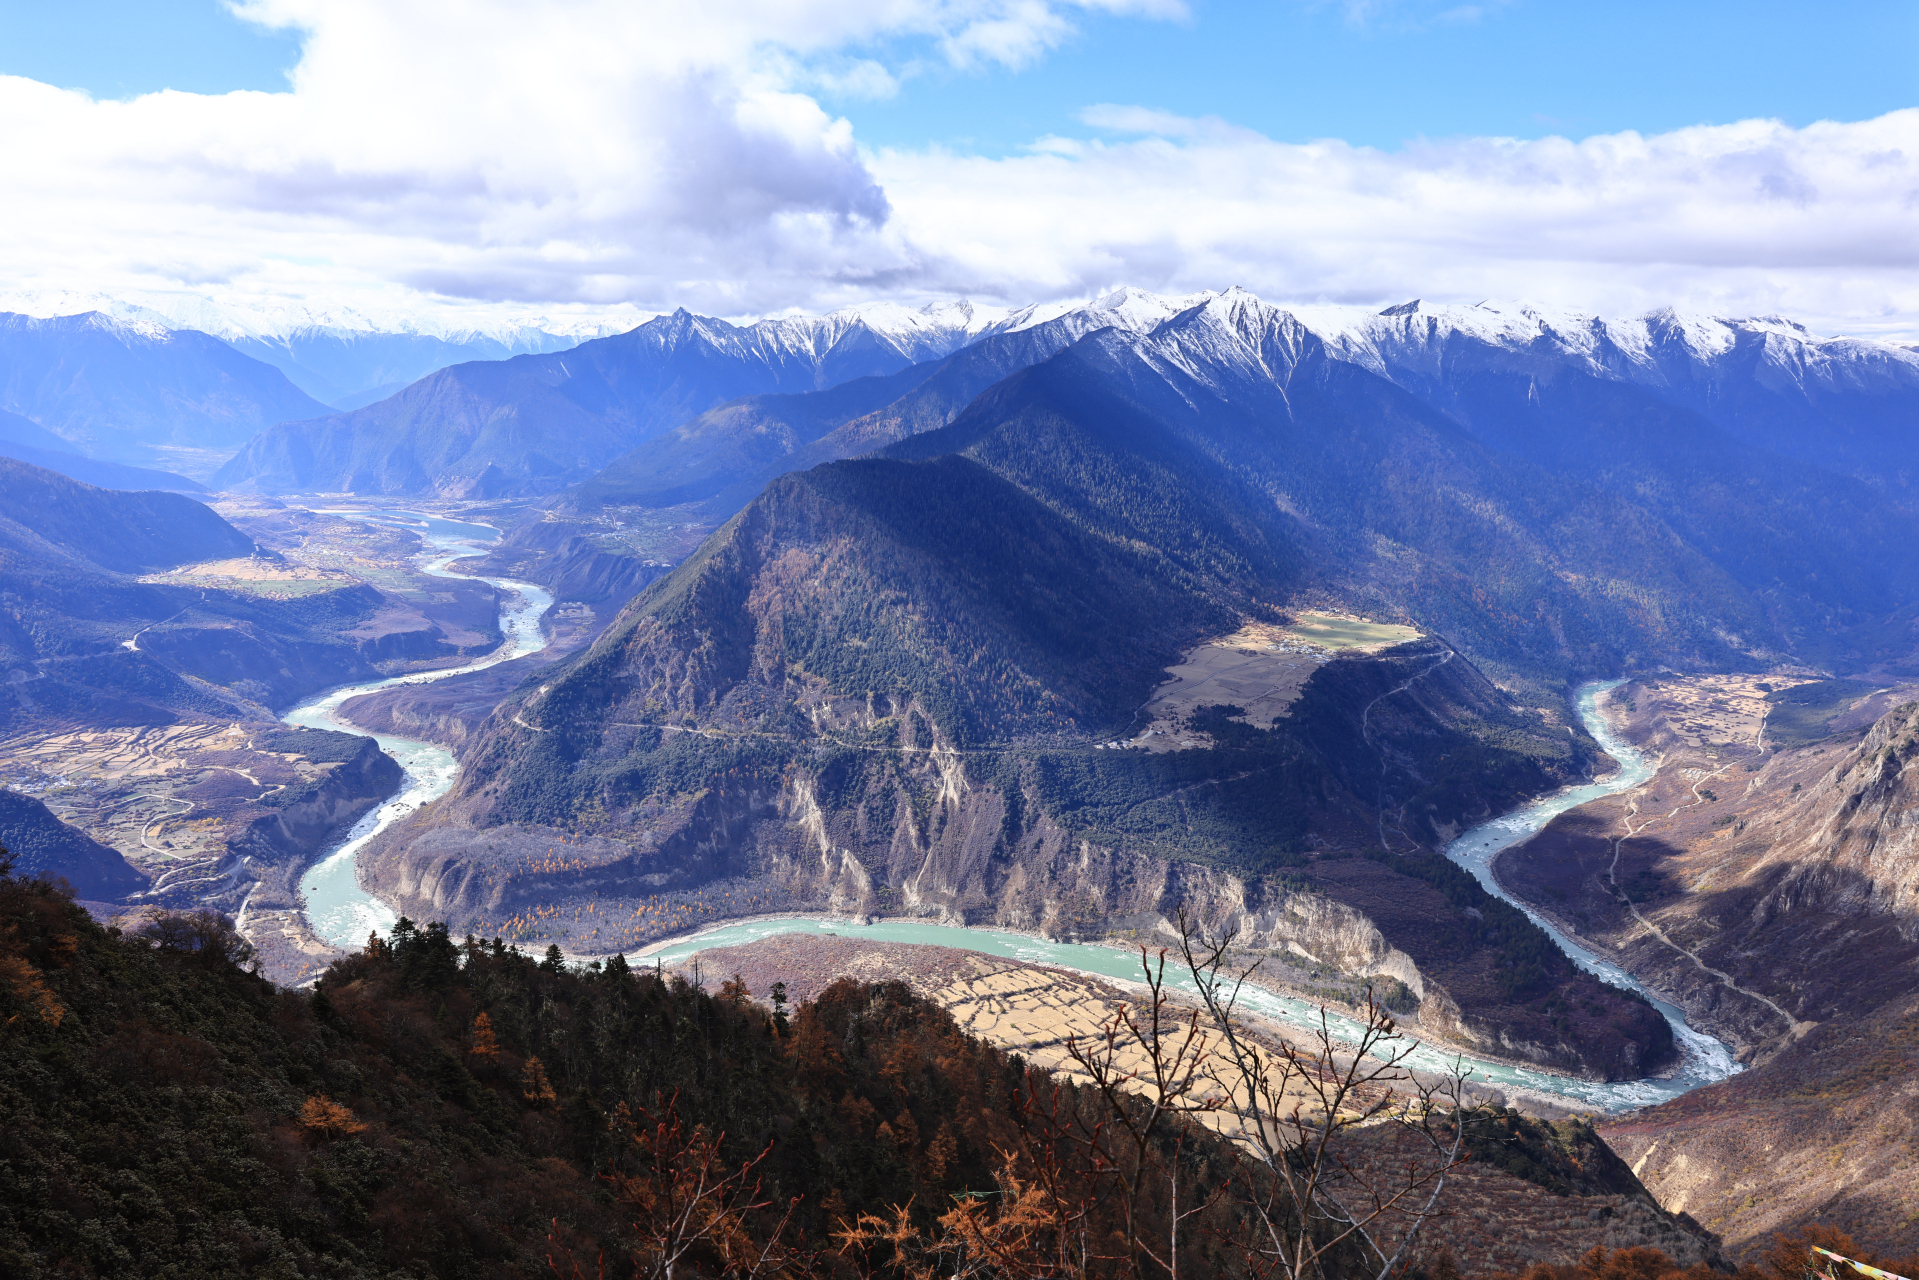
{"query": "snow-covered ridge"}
(1402, 338)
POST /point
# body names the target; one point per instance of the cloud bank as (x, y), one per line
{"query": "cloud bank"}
(586, 153)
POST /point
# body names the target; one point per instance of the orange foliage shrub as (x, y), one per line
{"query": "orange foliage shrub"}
(325, 1118)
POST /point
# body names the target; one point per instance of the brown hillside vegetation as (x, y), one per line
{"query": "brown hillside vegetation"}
(445, 1109)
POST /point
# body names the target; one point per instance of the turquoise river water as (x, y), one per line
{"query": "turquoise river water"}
(344, 913)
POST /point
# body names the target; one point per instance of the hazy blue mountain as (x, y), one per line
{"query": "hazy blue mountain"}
(348, 369)
(122, 532)
(129, 392)
(82, 641)
(94, 471)
(26, 433)
(538, 423)
(28, 441)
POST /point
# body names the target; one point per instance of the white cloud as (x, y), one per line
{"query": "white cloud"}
(1744, 218)
(587, 152)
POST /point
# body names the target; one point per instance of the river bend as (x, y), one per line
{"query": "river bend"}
(344, 914)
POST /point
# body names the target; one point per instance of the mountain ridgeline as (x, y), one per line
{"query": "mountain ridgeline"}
(1555, 497)
(874, 691)
(537, 423)
(137, 393)
(85, 643)
(878, 685)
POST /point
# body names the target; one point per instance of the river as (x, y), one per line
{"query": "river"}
(343, 913)
(339, 910)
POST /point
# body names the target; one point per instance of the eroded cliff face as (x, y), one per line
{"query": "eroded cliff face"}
(922, 837)
(270, 852)
(1850, 845)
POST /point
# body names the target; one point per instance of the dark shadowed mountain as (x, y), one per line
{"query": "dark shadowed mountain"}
(537, 423)
(42, 845)
(129, 392)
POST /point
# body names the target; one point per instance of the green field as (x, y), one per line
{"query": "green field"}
(1800, 715)
(1345, 633)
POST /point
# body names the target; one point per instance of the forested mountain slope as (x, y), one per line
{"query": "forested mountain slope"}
(447, 1109)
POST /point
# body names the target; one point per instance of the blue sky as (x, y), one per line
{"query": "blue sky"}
(1376, 74)
(457, 158)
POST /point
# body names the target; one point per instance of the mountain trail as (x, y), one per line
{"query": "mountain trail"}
(1798, 1028)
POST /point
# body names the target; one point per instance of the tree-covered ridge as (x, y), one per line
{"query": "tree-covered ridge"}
(434, 1108)
(936, 581)
(438, 1108)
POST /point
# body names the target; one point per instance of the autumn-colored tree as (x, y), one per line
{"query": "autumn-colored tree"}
(691, 1211)
(535, 1087)
(52, 942)
(324, 1118)
(485, 1045)
(733, 990)
(28, 987)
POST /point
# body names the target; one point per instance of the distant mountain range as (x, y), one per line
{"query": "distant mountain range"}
(133, 392)
(342, 358)
(538, 423)
(663, 395)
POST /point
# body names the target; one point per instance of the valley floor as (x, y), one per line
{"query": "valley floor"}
(1755, 880)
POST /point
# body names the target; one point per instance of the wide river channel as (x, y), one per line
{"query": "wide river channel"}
(344, 913)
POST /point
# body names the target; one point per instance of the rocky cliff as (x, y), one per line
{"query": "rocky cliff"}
(1768, 891)
(297, 823)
